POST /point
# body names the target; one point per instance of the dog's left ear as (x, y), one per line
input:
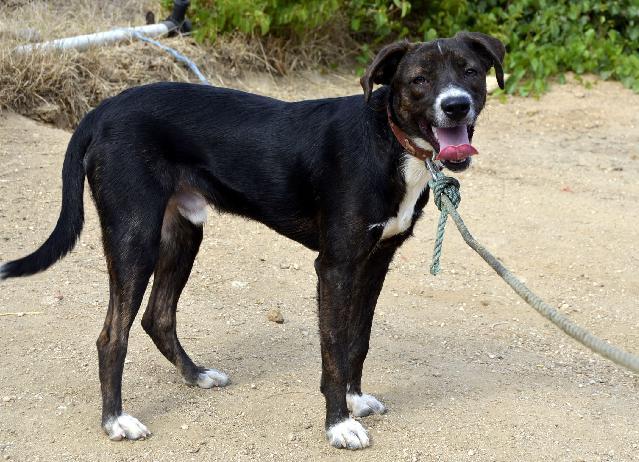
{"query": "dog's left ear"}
(490, 48)
(383, 67)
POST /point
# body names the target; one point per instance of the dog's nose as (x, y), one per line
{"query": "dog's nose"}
(456, 107)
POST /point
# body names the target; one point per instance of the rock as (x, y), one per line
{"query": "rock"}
(275, 315)
(239, 284)
(184, 427)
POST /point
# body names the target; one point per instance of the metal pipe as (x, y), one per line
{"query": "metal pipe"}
(176, 22)
(82, 42)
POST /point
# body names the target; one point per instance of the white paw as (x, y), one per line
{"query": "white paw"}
(349, 434)
(126, 426)
(363, 405)
(212, 378)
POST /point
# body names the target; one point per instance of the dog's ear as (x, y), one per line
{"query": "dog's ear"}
(383, 67)
(490, 48)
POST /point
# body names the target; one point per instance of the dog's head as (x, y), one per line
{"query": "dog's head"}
(438, 89)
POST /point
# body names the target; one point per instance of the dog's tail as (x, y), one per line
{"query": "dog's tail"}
(71, 219)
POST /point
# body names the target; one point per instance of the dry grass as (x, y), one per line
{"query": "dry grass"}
(60, 87)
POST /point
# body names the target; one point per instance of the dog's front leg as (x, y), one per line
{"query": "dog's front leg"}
(335, 301)
(367, 286)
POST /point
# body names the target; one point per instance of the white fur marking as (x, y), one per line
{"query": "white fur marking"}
(440, 116)
(363, 405)
(415, 178)
(376, 225)
(349, 434)
(439, 47)
(126, 426)
(422, 143)
(212, 378)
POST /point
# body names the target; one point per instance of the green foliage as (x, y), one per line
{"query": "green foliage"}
(261, 17)
(545, 39)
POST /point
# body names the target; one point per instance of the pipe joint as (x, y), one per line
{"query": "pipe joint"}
(177, 22)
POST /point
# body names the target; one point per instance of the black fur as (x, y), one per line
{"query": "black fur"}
(319, 172)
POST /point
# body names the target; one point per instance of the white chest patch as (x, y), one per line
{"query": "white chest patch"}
(416, 177)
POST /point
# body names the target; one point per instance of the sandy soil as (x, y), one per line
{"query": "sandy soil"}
(467, 371)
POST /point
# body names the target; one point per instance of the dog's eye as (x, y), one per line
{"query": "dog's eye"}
(419, 80)
(471, 72)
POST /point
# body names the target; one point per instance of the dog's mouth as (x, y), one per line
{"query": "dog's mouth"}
(452, 144)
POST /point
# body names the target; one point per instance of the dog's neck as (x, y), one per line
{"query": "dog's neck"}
(405, 140)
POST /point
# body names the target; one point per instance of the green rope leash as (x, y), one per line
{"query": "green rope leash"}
(441, 184)
(446, 192)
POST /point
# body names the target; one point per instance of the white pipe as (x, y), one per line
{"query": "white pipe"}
(82, 42)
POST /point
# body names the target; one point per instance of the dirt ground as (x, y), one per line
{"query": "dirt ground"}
(468, 372)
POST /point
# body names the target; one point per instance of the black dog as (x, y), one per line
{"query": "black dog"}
(342, 176)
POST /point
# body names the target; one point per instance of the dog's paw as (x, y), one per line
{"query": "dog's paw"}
(348, 434)
(125, 426)
(363, 405)
(210, 378)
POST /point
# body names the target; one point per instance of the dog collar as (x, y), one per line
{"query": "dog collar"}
(406, 142)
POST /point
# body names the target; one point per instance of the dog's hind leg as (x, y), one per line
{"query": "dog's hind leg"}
(368, 285)
(131, 248)
(180, 243)
(130, 200)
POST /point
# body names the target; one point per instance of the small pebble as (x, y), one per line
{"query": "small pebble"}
(184, 427)
(275, 315)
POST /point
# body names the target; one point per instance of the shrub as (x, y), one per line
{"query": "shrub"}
(545, 39)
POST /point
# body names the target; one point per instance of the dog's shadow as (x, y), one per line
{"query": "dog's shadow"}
(266, 357)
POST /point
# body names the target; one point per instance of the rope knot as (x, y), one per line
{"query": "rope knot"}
(445, 185)
(442, 184)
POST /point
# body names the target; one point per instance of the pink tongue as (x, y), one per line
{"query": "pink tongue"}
(454, 143)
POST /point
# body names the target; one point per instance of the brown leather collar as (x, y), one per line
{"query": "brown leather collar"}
(406, 142)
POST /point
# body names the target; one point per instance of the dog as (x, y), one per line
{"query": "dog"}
(345, 177)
